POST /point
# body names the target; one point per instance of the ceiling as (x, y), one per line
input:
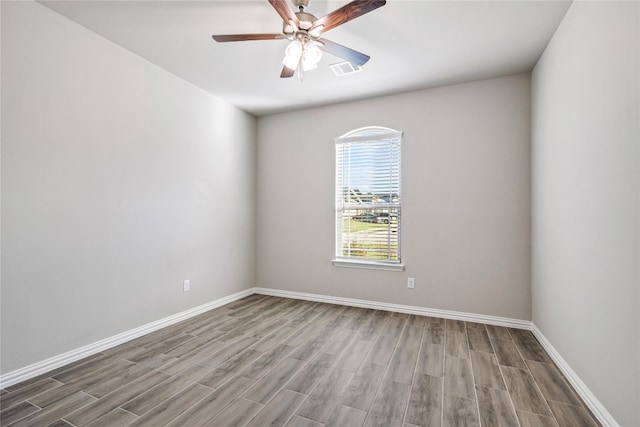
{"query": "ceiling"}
(413, 44)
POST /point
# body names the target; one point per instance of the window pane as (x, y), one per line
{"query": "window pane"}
(368, 195)
(370, 233)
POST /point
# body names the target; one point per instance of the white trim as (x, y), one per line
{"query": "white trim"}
(596, 407)
(592, 402)
(52, 363)
(374, 133)
(368, 265)
(409, 309)
(586, 395)
(382, 136)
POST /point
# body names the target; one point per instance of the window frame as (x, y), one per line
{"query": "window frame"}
(375, 135)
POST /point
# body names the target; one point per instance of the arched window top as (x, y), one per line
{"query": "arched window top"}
(369, 133)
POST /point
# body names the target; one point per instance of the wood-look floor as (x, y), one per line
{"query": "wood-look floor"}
(265, 361)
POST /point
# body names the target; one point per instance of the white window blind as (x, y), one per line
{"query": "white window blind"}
(368, 196)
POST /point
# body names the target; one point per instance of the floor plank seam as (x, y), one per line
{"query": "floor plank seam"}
(413, 377)
(533, 378)
(512, 405)
(384, 375)
(473, 377)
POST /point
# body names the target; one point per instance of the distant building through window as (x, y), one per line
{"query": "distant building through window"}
(368, 199)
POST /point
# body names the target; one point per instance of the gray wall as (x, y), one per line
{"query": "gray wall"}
(119, 180)
(466, 194)
(585, 191)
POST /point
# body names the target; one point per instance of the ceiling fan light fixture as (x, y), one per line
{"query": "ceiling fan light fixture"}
(294, 48)
(311, 55)
(308, 65)
(303, 30)
(293, 53)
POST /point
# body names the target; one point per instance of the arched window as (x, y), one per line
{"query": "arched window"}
(368, 199)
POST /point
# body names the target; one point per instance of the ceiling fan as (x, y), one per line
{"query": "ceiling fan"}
(303, 30)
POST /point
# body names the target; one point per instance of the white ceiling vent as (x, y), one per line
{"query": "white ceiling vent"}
(344, 68)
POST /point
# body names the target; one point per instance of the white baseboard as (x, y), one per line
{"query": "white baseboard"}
(597, 408)
(52, 363)
(587, 396)
(409, 309)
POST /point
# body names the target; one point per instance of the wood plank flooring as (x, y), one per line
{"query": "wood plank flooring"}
(267, 361)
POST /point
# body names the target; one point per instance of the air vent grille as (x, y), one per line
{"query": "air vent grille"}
(344, 68)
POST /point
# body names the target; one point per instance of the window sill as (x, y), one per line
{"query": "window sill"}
(369, 265)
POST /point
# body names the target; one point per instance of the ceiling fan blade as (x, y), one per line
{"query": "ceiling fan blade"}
(335, 49)
(346, 13)
(287, 72)
(285, 12)
(245, 37)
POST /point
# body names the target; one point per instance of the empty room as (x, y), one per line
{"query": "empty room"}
(317, 213)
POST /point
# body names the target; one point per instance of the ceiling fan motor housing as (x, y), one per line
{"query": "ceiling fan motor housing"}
(306, 20)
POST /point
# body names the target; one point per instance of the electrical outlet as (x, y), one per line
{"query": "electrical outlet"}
(411, 282)
(186, 285)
